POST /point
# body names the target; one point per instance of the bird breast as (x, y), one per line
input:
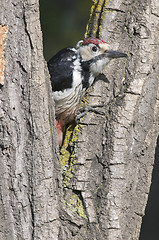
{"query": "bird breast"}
(67, 103)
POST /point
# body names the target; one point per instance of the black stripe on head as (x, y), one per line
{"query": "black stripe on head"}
(85, 80)
(85, 73)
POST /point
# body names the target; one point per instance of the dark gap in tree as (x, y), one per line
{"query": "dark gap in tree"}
(150, 223)
(63, 23)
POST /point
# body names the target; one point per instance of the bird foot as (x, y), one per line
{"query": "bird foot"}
(84, 110)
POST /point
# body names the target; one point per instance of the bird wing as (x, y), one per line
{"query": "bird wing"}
(61, 68)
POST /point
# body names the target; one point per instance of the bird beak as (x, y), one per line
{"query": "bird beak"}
(114, 54)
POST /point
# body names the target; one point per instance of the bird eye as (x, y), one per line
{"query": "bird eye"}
(94, 48)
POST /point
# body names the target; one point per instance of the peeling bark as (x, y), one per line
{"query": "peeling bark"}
(3, 35)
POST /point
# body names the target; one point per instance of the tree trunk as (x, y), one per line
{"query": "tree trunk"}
(107, 164)
(28, 161)
(114, 154)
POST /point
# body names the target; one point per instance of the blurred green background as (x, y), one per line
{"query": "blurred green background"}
(63, 23)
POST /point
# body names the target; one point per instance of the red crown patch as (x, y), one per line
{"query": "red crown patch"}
(92, 40)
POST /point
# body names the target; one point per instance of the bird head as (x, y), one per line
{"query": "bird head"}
(96, 53)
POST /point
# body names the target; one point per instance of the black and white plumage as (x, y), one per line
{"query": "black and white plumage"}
(72, 72)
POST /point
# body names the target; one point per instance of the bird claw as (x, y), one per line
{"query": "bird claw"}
(84, 110)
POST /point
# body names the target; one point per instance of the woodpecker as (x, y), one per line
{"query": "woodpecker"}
(72, 72)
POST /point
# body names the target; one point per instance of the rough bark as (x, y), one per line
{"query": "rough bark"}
(115, 156)
(116, 153)
(107, 172)
(28, 152)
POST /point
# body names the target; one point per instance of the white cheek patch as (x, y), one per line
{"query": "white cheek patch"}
(85, 52)
(98, 66)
